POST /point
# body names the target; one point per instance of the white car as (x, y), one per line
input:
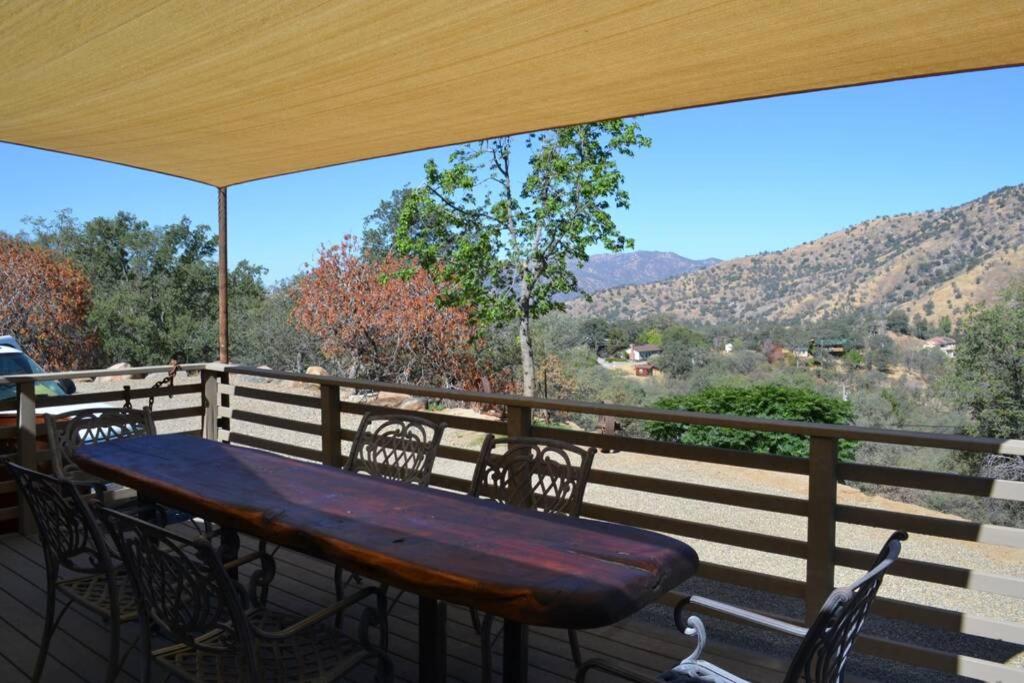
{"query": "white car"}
(14, 361)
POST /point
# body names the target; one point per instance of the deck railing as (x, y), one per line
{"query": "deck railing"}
(216, 418)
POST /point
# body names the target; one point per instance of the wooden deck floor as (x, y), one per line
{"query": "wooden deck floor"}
(304, 585)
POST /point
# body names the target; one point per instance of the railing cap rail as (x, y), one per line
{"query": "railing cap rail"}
(808, 429)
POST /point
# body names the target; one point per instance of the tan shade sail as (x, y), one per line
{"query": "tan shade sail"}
(228, 91)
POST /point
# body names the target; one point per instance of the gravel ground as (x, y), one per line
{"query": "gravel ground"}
(976, 557)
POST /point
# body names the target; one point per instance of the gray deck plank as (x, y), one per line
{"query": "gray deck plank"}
(303, 585)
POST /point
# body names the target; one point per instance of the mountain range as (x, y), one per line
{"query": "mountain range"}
(605, 271)
(931, 263)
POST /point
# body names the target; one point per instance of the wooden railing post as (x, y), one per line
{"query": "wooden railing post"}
(26, 447)
(330, 425)
(520, 421)
(821, 523)
(211, 403)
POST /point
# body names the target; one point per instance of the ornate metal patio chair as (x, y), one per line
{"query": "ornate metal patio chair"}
(824, 648)
(401, 448)
(80, 565)
(69, 431)
(186, 592)
(541, 474)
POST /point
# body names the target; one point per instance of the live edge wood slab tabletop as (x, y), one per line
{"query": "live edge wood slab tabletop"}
(524, 566)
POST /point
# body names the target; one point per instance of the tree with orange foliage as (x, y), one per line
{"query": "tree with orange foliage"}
(382, 317)
(44, 303)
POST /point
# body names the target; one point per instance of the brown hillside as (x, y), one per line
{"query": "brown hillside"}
(949, 257)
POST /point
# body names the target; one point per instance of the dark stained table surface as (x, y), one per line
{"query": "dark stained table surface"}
(521, 565)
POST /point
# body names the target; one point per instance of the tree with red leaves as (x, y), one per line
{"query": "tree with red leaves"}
(44, 303)
(382, 317)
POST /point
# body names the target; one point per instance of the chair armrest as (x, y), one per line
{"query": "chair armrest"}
(324, 613)
(739, 614)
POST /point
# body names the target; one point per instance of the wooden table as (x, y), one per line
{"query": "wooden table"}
(521, 565)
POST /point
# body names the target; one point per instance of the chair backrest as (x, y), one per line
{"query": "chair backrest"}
(823, 653)
(397, 447)
(181, 585)
(68, 431)
(68, 530)
(543, 474)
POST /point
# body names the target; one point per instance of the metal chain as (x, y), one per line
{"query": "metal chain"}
(165, 381)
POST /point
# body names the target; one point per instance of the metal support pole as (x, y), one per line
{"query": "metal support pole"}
(222, 269)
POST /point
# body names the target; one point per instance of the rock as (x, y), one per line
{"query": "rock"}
(389, 399)
(413, 403)
(119, 378)
(316, 370)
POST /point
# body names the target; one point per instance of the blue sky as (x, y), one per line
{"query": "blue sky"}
(722, 181)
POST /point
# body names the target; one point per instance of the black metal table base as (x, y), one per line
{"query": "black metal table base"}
(433, 645)
(433, 641)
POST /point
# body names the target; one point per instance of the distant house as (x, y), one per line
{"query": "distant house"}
(946, 344)
(642, 352)
(833, 346)
(801, 352)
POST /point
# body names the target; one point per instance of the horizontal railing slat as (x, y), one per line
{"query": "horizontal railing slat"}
(933, 572)
(706, 532)
(668, 449)
(243, 391)
(949, 620)
(931, 526)
(472, 424)
(712, 494)
(116, 396)
(932, 481)
(275, 421)
(177, 413)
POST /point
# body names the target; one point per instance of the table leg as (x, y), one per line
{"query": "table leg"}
(515, 658)
(433, 641)
(229, 545)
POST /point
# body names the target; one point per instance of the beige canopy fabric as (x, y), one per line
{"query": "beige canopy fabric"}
(227, 92)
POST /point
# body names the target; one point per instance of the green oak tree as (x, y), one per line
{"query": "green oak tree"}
(503, 240)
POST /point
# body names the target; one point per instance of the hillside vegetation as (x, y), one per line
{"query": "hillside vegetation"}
(933, 263)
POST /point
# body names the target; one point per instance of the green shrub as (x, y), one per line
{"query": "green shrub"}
(760, 400)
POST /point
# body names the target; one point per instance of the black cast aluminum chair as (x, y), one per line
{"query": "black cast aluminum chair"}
(540, 474)
(67, 431)
(824, 648)
(186, 592)
(400, 448)
(80, 565)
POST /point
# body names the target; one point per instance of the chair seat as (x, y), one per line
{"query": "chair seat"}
(92, 591)
(317, 653)
(698, 671)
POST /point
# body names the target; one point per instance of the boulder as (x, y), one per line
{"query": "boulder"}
(119, 378)
(316, 370)
(413, 403)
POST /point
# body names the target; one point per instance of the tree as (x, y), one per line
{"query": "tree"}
(759, 400)
(946, 325)
(682, 350)
(264, 333)
(988, 373)
(898, 321)
(881, 352)
(509, 252)
(382, 318)
(44, 303)
(155, 288)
